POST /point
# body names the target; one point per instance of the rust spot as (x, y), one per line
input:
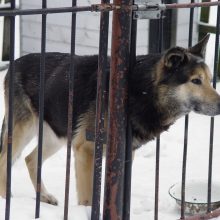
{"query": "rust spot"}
(9, 139)
(38, 187)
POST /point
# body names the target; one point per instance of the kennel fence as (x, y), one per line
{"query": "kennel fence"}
(119, 151)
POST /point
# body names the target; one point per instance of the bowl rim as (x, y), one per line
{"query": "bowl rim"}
(187, 202)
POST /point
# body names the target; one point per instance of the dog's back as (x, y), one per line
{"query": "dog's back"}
(27, 78)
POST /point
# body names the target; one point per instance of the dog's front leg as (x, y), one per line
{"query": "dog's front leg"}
(3, 175)
(84, 154)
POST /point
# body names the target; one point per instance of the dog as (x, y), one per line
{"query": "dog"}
(162, 88)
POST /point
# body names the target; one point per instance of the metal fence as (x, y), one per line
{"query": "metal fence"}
(119, 138)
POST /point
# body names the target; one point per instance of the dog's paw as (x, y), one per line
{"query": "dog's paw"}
(2, 194)
(85, 202)
(48, 198)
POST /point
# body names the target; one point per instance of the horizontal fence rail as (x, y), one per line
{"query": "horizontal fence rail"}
(116, 131)
(104, 7)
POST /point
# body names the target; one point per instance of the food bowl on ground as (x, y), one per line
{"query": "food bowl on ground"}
(196, 196)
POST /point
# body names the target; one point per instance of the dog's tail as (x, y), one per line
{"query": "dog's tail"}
(2, 135)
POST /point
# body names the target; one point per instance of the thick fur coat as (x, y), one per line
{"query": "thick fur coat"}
(162, 88)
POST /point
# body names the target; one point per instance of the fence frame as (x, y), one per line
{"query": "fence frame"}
(119, 137)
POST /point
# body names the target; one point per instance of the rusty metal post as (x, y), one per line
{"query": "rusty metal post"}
(128, 154)
(212, 122)
(116, 141)
(100, 112)
(10, 115)
(186, 128)
(70, 112)
(157, 165)
(41, 109)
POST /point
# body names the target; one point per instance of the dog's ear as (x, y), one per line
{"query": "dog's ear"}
(174, 57)
(200, 48)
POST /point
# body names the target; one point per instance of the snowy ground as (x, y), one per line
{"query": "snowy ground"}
(142, 206)
(23, 201)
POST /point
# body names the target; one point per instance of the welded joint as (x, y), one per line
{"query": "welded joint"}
(148, 9)
(149, 6)
(90, 136)
(105, 7)
(144, 6)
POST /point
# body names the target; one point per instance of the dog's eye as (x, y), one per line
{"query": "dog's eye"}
(196, 81)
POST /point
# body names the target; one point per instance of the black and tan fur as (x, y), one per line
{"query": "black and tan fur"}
(162, 88)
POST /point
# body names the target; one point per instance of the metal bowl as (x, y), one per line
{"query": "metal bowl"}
(196, 196)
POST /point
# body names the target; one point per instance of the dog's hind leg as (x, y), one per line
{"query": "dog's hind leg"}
(84, 159)
(2, 135)
(50, 146)
(3, 159)
(23, 132)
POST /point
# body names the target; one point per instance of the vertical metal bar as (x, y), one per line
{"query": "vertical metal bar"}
(116, 140)
(128, 152)
(100, 111)
(70, 113)
(183, 186)
(216, 59)
(10, 113)
(168, 30)
(157, 169)
(41, 110)
(157, 175)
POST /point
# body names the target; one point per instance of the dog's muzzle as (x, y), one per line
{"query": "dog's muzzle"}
(210, 109)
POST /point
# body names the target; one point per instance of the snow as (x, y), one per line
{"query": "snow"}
(142, 205)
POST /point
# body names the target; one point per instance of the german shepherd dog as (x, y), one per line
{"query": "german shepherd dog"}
(162, 88)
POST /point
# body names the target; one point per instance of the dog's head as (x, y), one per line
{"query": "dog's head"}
(184, 81)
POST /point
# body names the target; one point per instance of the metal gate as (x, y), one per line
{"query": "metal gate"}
(119, 137)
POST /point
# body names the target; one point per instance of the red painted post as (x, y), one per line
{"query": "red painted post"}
(116, 140)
